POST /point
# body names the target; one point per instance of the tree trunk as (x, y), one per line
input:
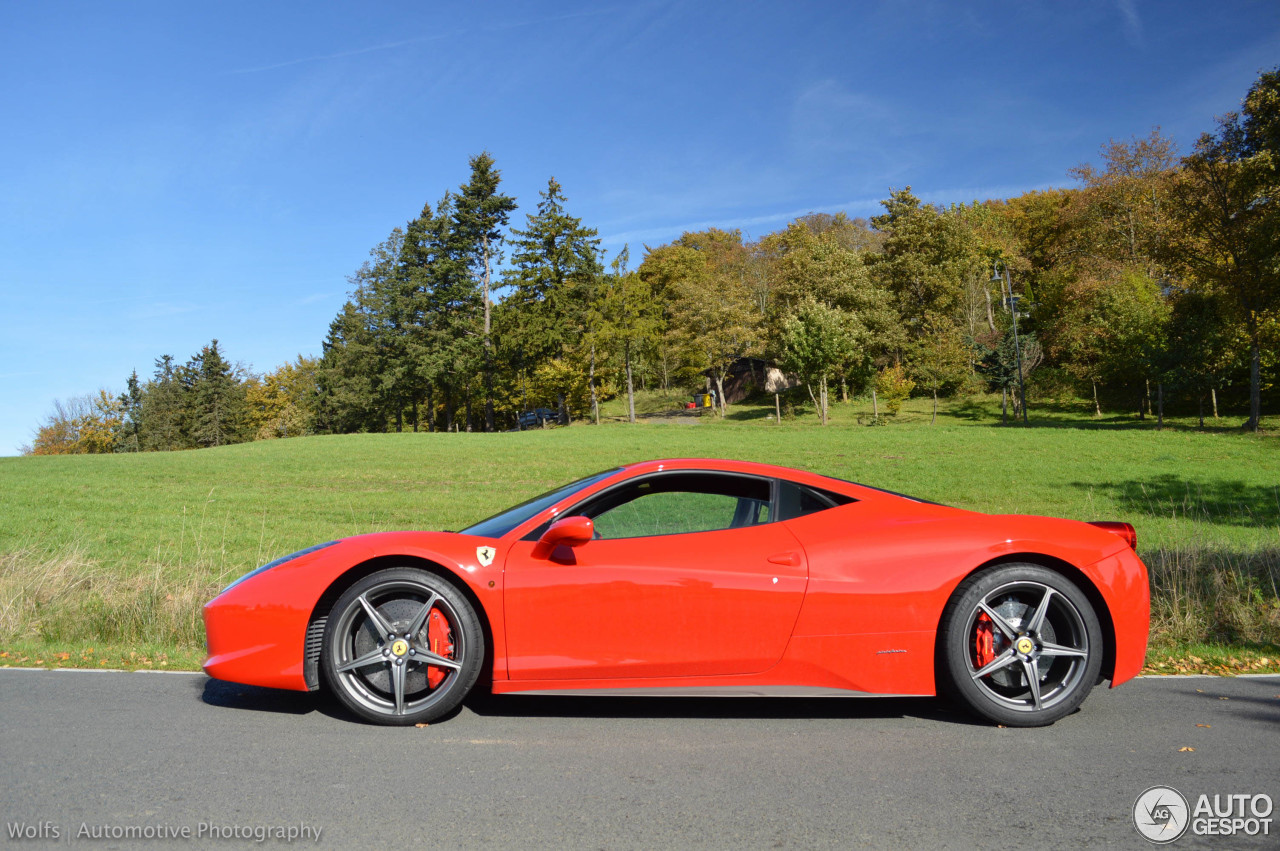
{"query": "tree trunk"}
(724, 407)
(816, 404)
(1097, 409)
(1255, 377)
(777, 408)
(591, 382)
(991, 317)
(563, 408)
(415, 416)
(844, 390)
(1004, 406)
(824, 400)
(488, 351)
(399, 419)
(1160, 405)
(935, 405)
(1213, 394)
(1147, 381)
(875, 404)
(431, 414)
(631, 390)
(1200, 407)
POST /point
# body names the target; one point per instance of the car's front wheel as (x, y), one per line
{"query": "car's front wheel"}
(402, 646)
(1021, 645)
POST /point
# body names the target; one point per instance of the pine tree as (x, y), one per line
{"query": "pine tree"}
(479, 215)
(127, 438)
(217, 399)
(555, 271)
(163, 408)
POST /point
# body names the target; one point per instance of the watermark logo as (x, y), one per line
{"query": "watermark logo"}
(1161, 814)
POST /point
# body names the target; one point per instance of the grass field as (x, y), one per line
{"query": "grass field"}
(103, 556)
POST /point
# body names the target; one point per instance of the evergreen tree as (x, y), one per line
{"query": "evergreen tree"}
(479, 215)
(128, 438)
(217, 399)
(164, 408)
(555, 271)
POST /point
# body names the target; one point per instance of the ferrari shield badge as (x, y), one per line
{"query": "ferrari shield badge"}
(484, 555)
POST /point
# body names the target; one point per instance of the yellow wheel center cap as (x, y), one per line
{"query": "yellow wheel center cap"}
(1025, 645)
(399, 647)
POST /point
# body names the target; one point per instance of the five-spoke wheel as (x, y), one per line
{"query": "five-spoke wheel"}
(1022, 645)
(402, 646)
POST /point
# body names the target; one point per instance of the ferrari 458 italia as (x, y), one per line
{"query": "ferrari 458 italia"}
(699, 577)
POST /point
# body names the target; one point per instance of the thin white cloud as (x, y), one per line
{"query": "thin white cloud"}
(340, 55)
(1132, 23)
(857, 206)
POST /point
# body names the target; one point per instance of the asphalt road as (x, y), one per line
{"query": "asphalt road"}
(99, 754)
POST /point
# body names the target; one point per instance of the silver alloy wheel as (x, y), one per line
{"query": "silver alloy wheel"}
(1039, 646)
(381, 653)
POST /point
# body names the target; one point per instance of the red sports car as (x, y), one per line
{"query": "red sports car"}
(699, 577)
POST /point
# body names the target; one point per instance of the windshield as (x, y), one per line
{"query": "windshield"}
(503, 522)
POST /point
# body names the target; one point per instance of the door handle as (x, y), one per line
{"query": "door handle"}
(788, 559)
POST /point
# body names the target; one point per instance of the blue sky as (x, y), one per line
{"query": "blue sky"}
(176, 172)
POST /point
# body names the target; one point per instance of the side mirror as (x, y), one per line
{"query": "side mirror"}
(568, 531)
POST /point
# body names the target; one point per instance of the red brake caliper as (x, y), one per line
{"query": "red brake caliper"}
(440, 639)
(984, 641)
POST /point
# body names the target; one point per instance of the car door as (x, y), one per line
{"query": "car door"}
(688, 577)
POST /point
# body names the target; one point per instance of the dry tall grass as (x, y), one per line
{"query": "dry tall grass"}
(1215, 596)
(69, 598)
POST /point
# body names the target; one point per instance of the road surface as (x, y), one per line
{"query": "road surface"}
(125, 760)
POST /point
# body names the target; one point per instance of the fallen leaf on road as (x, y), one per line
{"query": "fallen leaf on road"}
(1204, 725)
(1186, 750)
(420, 726)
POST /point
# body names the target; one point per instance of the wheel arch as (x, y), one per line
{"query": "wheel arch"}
(319, 616)
(1077, 576)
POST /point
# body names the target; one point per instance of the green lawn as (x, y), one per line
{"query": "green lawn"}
(203, 517)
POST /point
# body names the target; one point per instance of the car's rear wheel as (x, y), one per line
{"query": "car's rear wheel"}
(1021, 645)
(402, 646)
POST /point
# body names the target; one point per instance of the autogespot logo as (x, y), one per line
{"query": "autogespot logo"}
(1161, 814)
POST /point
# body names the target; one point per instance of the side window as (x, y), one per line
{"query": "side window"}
(669, 513)
(799, 500)
(680, 503)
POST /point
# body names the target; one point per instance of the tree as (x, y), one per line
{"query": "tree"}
(164, 406)
(714, 317)
(81, 425)
(1228, 206)
(479, 215)
(217, 399)
(555, 271)
(804, 266)
(128, 437)
(626, 316)
(927, 254)
(282, 402)
(814, 342)
(1124, 207)
(939, 356)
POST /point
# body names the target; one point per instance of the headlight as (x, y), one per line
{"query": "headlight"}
(277, 563)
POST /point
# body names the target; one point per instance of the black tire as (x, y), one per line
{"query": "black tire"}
(1020, 644)
(378, 654)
